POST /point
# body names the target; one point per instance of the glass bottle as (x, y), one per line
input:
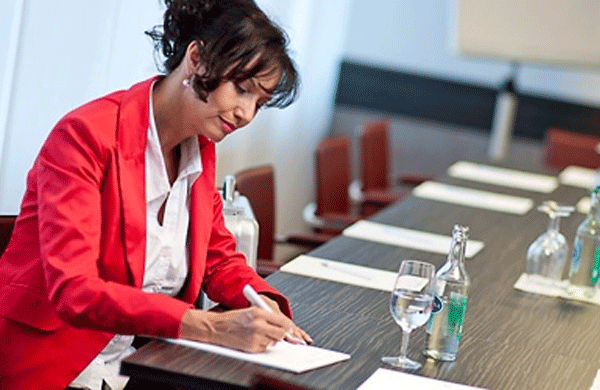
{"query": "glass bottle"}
(444, 328)
(547, 255)
(585, 264)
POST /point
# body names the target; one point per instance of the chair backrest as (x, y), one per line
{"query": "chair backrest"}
(564, 148)
(258, 185)
(7, 223)
(263, 382)
(373, 136)
(333, 175)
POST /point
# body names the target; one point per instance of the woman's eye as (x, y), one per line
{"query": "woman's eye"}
(239, 88)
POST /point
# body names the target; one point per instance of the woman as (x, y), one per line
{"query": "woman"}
(121, 225)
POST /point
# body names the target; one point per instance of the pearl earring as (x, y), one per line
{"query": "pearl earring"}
(185, 83)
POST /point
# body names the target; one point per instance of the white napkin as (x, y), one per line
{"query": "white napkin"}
(473, 198)
(503, 176)
(407, 238)
(553, 288)
(578, 177)
(584, 204)
(384, 379)
(336, 271)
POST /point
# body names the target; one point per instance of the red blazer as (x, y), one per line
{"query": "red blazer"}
(71, 276)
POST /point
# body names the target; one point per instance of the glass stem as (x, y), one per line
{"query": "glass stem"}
(404, 347)
(554, 224)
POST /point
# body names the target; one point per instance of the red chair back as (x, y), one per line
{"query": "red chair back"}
(7, 223)
(564, 148)
(258, 185)
(374, 155)
(333, 175)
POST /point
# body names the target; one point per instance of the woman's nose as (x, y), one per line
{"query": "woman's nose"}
(245, 111)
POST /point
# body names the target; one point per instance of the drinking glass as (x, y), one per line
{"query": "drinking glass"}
(410, 305)
(547, 255)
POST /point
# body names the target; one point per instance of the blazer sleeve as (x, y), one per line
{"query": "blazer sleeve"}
(227, 271)
(70, 173)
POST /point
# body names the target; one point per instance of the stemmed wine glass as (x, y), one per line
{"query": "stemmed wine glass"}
(410, 305)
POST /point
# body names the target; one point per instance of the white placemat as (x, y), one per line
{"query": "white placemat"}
(578, 177)
(544, 286)
(384, 379)
(503, 177)
(336, 271)
(283, 355)
(473, 198)
(407, 238)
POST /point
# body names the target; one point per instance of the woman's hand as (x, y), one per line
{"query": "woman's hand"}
(249, 330)
(299, 336)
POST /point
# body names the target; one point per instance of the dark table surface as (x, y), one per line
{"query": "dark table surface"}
(511, 339)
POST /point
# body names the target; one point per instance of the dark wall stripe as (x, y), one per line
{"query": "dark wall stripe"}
(463, 104)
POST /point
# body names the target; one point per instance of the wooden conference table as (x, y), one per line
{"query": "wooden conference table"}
(511, 339)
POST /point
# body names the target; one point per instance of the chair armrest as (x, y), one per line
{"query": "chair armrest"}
(311, 240)
(413, 180)
(383, 197)
(332, 221)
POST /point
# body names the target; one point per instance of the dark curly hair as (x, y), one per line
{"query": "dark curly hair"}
(234, 34)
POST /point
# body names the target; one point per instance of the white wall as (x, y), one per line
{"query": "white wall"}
(68, 53)
(416, 36)
(71, 51)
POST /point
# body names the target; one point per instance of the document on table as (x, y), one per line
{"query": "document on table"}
(407, 238)
(537, 284)
(384, 379)
(473, 198)
(283, 355)
(503, 177)
(578, 177)
(335, 271)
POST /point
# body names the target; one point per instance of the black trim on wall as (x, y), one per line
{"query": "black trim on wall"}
(463, 104)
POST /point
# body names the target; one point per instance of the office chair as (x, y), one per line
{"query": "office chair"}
(564, 148)
(333, 209)
(7, 223)
(258, 185)
(374, 189)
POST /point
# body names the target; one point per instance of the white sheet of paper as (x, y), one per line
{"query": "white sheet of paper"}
(384, 379)
(283, 355)
(503, 177)
(584, 204)
(473, 198)
(407, 238)
(596, 384)
(335, 271)
(544, 286)
(577, 177)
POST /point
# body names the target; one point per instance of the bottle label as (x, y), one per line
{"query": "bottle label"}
(595, 274)
(457, 307)
(437, 306)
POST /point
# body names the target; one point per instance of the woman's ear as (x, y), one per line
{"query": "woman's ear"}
(193, 58)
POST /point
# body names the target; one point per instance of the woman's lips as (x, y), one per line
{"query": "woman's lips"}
(228, 127)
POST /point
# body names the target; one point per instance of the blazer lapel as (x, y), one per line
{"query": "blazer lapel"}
(132, 136)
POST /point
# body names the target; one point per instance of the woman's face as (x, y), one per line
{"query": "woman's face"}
(230, 106)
